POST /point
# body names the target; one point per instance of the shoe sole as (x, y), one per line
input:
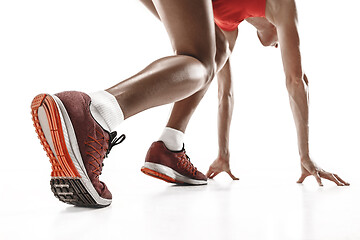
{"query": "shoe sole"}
(169, 175)
(69, 180)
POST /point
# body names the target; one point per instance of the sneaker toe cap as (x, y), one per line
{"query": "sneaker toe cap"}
(201, 176)
(106, 194)
(102, 190)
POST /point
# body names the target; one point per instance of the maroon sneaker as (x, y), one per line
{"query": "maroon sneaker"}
(170, 166)
(76, 145)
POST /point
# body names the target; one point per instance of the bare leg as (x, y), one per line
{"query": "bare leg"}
(184, 109)
(191, 30)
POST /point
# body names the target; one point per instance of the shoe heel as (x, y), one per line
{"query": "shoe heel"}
(55, 166)
(49, 117)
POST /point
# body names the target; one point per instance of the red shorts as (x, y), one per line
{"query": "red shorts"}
(228, 14)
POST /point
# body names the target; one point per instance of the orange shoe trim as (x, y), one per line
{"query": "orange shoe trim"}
(62, 165)
(160, 176)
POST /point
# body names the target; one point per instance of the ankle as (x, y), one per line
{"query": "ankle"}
(172, 138)
(106, 110)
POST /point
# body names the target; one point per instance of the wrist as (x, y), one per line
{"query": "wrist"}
(304, 157)
(224, 154)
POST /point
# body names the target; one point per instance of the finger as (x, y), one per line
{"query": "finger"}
(214, 175)
(318, 179)
(209, 172)
(232, 176)
(331, 177)
(346, 183)
(302, 178)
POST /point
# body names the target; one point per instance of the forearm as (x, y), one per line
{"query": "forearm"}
(224, 121)
(225, 110)
(298, 96)
(285, 19)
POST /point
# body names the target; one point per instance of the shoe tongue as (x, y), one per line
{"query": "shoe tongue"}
(112, 135)
(183, 148)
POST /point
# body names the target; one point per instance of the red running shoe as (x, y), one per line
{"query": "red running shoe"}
(172, 167)
(76, 145)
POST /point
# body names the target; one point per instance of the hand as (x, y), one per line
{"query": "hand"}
(308, 168)
(221, 164)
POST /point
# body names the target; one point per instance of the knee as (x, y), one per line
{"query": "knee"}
(205, 64)
(205, 56)
(210, 70)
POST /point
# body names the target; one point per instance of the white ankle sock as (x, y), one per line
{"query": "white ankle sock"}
(172, 138)
(106, 110)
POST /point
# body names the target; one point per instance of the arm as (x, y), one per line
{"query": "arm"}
(226, 104)
(225, 110)
(285, 20)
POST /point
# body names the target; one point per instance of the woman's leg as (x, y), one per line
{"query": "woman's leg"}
(184, 109)
(190, 27)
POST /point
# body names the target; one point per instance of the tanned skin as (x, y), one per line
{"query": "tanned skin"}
(201, 51)
(280, 26)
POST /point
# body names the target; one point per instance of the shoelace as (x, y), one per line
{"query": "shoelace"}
(97, 145)
(113, 141)
(185, 163)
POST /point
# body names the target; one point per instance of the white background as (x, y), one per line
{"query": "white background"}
(51, 46)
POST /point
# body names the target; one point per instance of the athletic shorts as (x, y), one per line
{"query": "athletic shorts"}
(228, 14)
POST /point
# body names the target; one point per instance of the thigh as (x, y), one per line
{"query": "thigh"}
(190, 26)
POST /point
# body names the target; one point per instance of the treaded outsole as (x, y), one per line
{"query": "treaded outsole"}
(160, 176)
(63, 162)
(72, 191)
(56, 168)
(66, 181)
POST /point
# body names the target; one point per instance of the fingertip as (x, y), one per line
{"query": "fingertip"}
(301, 180)
(232, 176)
(318, 179)
(320, 182)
